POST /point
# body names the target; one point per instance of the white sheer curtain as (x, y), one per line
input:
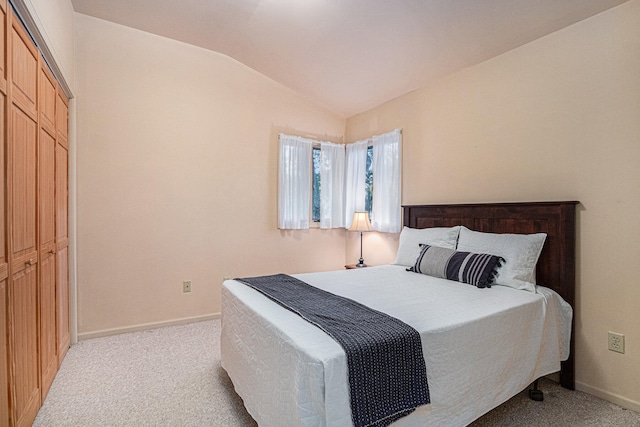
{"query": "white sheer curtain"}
(355, 179)
(294, 182)
(331, 185)
(387, 159)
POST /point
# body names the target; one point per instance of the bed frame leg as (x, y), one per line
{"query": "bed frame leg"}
(536, 394)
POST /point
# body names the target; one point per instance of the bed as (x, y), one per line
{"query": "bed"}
(481, 346)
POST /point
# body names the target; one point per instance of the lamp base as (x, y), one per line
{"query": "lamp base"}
(361, 263)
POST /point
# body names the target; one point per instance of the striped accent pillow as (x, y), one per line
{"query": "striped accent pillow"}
(475, 269)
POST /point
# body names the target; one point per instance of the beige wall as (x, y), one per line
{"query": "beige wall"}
(177, 177)
(557, 119)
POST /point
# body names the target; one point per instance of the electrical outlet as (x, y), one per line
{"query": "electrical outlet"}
(186, 286)
(616, 342)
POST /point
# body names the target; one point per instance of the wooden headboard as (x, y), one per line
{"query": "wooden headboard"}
(556, 265)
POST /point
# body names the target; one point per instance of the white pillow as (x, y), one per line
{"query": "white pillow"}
(520, 252)
(410, 239)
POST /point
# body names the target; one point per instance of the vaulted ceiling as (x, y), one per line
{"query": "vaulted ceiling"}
(350, 55)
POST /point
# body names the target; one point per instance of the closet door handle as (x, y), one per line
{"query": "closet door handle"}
(30, 262)
(52, 251)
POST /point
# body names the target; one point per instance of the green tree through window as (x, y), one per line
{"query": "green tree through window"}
(368, 195)
(316, 184)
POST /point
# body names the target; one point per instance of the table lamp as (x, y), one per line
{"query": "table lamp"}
(360, 223)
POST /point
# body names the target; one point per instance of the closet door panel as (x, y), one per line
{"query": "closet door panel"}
(62, 229)
(25, 392)
(46, 231)
(3, 199)
(46, 190)
(23, 187)
(62, 119)
(24, 69)
(47, 100)
(47, 297)
(4, 377)
(22, 140)
(3, 46)
(4, 270)
(62, 303)
(62, 198)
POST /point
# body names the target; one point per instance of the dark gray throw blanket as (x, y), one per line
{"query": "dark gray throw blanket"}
(387, 373)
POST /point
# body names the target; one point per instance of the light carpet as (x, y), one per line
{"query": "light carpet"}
(172, 377)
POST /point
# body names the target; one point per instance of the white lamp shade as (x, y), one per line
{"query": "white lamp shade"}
(360, 222)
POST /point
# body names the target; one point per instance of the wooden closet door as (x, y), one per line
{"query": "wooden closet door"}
(4, 266)
(46, 229)
(23, 252)
(62, 228)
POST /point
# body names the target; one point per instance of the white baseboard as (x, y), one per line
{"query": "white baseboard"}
(145, 326)
(608, 396)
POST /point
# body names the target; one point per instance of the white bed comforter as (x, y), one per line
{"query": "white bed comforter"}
(481, 346)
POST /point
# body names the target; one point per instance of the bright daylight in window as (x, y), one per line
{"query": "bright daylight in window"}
(316, 185)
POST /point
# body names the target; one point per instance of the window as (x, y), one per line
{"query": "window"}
(327, 184)
(316, 184)
(368, 196)
(334, 181)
